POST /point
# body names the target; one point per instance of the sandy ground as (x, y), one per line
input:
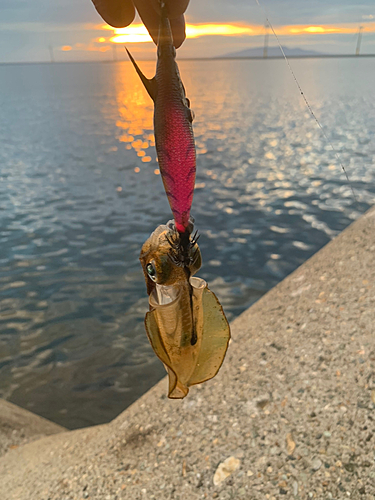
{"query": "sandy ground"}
(290, 415)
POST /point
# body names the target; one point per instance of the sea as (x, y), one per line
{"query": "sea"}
(80, 191)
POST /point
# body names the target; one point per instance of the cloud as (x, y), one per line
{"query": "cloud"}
(27, 27)
(285, 12)
(48, 11)
(137, 33)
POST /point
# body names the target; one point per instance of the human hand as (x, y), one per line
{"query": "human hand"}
(120, 13)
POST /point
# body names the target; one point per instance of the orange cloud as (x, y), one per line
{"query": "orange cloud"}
(197, 30)
(324, 30)
(90, 47)
(137, 33)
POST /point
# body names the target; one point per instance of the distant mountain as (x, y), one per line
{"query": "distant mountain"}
(274, 52)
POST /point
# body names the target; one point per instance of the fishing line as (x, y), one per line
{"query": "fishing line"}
(308, 105)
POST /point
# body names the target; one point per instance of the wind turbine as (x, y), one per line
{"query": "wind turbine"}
(52, 57)
(359, 40)
(265, 47)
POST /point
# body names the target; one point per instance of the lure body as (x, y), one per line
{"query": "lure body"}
(174, 138)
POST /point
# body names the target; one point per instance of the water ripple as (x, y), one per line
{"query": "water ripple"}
(80, 192)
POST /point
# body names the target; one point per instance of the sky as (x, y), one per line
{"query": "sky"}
(72, 30)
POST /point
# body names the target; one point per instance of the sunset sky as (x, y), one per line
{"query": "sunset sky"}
(215, 27)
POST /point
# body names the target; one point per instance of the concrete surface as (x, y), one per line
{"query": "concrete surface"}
(290, 415)
(19, 426)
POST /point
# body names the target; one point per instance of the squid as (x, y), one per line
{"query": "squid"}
(186, 324)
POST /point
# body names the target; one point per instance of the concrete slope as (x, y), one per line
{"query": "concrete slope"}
(19, 426)
(290, 415)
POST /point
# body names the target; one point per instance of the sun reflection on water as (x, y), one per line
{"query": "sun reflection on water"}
(134, 117)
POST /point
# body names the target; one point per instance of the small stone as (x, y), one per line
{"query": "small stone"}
(303, 451)
(373, 396)
(326, 434)
(225, 469)
(350, 467)
(304, 478)
(316, 464)
(250, 473)
(283, 492)
(295, 488)
(261, 462)
(262, 402)
(290, 444)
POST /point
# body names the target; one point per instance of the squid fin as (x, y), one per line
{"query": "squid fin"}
(195, 364)
(214, 340)
(150, 85)
(153, 334)
(176, 390)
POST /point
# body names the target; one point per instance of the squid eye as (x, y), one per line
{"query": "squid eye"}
(151, 271)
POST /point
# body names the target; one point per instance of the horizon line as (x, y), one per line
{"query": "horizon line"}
(215, 58)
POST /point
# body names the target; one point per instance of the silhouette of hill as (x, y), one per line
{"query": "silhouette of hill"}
(274, 52)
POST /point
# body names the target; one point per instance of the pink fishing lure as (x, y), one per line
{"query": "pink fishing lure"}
(173, 130)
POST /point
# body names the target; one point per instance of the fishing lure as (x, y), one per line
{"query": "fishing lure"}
(173, 117)
(186, 324)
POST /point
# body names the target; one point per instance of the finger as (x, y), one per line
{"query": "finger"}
(178, 30)
(151, 20)
(175, 8)
(149, 16)
(117, 13)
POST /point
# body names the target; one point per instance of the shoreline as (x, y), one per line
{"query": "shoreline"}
(291, 412)
(216, 58)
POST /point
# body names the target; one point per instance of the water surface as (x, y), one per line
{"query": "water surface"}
(80, 192)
